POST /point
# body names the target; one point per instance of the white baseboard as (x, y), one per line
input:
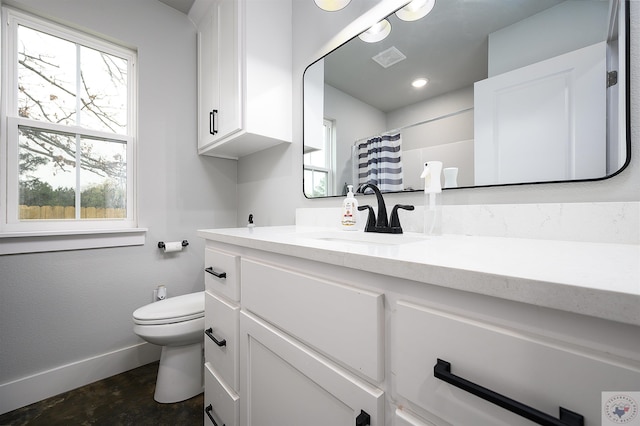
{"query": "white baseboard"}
(37, 387)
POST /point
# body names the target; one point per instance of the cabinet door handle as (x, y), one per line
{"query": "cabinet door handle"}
(209, 333)
(214, 273)
(212, 124)
(208, 410)
(442, 371)
(363, 419)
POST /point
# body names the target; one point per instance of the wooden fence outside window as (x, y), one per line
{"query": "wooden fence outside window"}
(69, 212)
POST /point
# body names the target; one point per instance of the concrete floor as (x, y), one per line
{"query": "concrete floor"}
(125, 399)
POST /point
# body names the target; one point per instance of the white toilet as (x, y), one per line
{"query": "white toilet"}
(176, 324)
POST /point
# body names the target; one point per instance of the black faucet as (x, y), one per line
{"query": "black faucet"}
(381, 224)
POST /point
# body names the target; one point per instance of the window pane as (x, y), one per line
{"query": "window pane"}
(315, 159)
(46, 77)
(104, 91)
(321, 157)
(308, 183)
(103, 177)
(47, 175)
(48, 181)
(315, 183)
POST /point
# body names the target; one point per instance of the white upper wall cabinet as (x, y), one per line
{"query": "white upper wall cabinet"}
(244, 75)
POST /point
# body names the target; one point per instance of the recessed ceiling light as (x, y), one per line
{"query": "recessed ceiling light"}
(415, 10)
(419, 82)
(331, 5)
(377, 32)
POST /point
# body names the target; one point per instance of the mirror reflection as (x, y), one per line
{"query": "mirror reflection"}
(500, 92)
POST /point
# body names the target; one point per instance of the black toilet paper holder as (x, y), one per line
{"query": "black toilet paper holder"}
(161, 244)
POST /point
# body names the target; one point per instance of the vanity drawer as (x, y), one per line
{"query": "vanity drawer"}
(403, 417)
(220, 402)
(537, 371)
(221, 273)
(221, 337)
(343, 322)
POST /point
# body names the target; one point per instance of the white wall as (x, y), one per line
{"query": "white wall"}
(449, 140)
(66, 307)
(447, 130)
(525, 43)
(270, 182)
(354, 120)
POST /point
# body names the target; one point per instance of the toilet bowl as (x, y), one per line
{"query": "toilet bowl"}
(176, 324)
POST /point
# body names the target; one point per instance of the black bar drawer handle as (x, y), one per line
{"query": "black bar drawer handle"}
(208, 410)
(214, 273)
(363, 419)
(212, 125)
(209, 333)
(442, 371)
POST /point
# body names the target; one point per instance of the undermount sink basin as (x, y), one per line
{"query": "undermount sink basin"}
(367, 238)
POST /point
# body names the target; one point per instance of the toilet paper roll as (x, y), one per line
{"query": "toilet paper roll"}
(172, 246)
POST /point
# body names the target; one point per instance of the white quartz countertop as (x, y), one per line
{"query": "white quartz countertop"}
(595, 279)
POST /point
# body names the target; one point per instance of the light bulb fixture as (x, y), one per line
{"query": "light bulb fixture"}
(419, 82)
(377, 32)
(332, 5)
(415, 10)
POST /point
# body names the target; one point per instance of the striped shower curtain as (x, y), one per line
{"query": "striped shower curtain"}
(379, 161)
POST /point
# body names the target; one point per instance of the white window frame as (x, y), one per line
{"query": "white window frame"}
(16, 236)
(329, 138)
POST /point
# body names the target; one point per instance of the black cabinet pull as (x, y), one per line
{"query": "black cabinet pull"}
(214, 273)
(212, 124)
(363, 419)
(208, 410)
(442, 371)
(209, 333)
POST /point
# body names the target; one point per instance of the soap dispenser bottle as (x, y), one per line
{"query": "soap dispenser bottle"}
(350, 211)
(432, 202)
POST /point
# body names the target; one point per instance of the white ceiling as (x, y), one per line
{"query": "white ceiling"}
(181, 5)
(448, 46)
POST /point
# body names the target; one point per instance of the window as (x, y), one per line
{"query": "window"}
(70, 124)
(318, 169)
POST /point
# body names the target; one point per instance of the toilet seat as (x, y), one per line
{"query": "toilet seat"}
(175, 309)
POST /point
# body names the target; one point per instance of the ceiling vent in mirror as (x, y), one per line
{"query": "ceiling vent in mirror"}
(332, 5)
(389, 57)
(415, 10)
(377, 32)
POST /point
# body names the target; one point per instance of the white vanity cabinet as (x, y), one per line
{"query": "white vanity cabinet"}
(286, 383)
(536, 370)
(244, 75)
(321, 343)
(297, 358)
(310, 351)
(221, 341)
(341, 321)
